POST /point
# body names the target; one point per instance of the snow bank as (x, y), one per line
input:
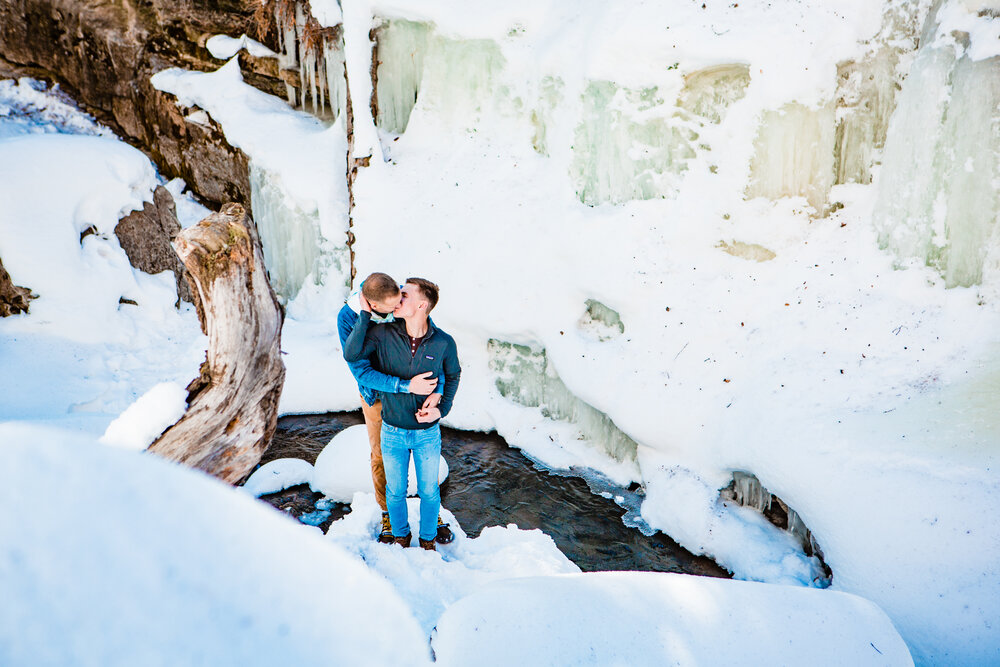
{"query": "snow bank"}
(431, 581)
(631, 618)
(28, 106)
(83, 354)
(143, 421)
(124, 559)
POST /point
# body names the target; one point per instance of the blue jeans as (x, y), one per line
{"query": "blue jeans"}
(397, 443)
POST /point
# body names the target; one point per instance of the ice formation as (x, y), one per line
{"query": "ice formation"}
(528, 378)
(459, 74)
(938, 200)
(793, 154)
(289, 235)
(600, 321)
(636, 143)
(401, 48)
(747, 490)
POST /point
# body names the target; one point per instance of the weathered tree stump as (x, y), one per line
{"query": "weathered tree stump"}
(13, 299)
(233, 406)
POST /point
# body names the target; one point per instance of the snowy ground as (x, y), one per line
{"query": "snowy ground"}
(861, 394)
(98, 570)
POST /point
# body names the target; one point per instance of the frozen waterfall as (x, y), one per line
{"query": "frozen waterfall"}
(289, 234)
(938, 196)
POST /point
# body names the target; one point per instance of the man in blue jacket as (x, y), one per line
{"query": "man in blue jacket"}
(409, 345)
(384, 293)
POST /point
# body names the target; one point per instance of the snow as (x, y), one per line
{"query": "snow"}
(82, 355)
(189, 211)
(849, 379)
(225, 47)
(278, 475)
(28, 107)
(143, 421)
(430, 582)
(790, 369)
(604, 619)
(125, 559)
(975, 19)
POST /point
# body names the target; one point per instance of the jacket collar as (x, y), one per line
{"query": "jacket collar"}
(400, 326)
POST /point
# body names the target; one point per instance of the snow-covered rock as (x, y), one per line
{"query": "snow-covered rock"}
(278, 475)
(645, 618)
(109, 557)
(343, 468)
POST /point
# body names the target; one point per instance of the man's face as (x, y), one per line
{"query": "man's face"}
(387, 306)
(411, 300)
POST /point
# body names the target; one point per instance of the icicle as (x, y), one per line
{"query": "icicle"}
(333, 56)
(287, 43)
(321, 74)
(303, 54)
(750, 492)
(797, 528)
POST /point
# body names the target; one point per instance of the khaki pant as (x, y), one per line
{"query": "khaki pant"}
(373, 420)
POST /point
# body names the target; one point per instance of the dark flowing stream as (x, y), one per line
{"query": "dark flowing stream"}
(491, 483)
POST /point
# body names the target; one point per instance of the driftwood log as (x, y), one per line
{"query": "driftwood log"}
(13, 299)
(233, 406)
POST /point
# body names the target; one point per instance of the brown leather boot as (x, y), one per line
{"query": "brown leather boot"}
(403, 541)
(385, 537)
(427, 544)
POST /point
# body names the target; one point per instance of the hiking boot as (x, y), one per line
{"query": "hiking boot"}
(385, 537)
(403, 541)
(444, 535)
(427, 544)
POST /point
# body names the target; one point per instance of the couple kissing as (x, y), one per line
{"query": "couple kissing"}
(408, 372)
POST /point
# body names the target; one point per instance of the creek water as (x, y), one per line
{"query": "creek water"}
(491, 483)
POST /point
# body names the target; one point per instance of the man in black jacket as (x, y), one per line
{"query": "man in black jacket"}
(409, 346)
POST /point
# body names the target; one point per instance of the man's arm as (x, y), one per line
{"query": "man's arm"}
(358, 346)
(362, 369)
(452, 373)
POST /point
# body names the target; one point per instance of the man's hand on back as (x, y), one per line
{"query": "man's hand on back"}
(428, 415)
(423, 384)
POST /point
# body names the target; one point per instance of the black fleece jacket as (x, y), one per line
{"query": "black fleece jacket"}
(387, 346)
